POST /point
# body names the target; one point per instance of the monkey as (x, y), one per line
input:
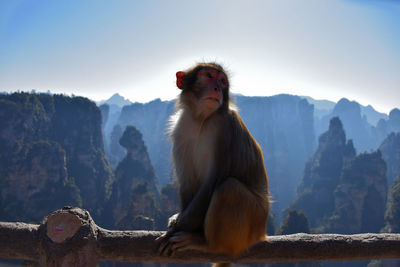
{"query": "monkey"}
(219, 168)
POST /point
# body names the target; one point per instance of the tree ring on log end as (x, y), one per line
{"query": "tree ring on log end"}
(62, 225)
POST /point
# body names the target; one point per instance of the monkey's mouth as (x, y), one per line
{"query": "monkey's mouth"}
(214, 99)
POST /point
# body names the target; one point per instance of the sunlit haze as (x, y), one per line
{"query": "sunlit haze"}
(323, 49)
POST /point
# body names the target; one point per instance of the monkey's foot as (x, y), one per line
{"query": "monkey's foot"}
(182, 241)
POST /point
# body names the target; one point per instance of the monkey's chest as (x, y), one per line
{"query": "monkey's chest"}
(194, 150)
(198, 157)
(202, 158)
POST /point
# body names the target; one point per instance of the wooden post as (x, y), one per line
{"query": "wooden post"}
(68, 238)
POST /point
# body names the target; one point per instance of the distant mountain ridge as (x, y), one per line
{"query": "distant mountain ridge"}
(324, 107)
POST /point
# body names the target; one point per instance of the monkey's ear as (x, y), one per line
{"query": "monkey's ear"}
(179, 79)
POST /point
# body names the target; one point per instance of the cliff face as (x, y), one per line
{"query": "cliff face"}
(51, 149)
(322, 173)
(390, 149)
(36, 183)
(392, 214)
(116, 152)
(341, 192)
(76, 125)
(360, 198)
(105, 112)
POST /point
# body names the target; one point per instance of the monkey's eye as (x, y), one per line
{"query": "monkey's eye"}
(209, 75)
(223, 81)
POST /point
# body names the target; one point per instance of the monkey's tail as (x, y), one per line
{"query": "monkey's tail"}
(222, 264)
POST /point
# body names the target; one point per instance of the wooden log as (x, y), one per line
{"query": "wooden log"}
(138, 246)
(69, 237)
(19, 241)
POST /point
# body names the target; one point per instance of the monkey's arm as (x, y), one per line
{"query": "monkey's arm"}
(192, 218)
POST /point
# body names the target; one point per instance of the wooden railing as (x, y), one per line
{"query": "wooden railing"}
(69, 237)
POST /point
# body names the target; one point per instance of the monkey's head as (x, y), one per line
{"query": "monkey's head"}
(205, 89)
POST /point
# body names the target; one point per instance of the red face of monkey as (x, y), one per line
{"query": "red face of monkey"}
(213, 83)
(209, 87)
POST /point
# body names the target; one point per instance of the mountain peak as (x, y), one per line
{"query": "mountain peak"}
(116, 99)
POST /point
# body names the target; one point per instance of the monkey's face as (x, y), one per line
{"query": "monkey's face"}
(210, 85)
(205, 89)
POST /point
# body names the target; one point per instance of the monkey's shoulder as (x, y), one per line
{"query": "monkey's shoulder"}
(236, 126)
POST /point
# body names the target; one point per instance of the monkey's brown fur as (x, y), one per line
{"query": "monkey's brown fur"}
(223, 185)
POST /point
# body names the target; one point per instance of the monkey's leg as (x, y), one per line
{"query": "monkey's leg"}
(235, 219)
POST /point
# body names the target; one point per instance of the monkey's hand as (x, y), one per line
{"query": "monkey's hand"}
(164, 244)
(180, 241)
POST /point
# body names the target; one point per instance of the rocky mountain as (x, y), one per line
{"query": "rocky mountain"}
(323, 108)
(392, 222)
(133, 170)
(35, 182)
(111, 110)
(77, 127)
(391, 125)
(105, 111)
(390, 149)
(360, 197)
(115, 99)
(51, 155)
(142, 211)
(110, 114)
(392, 214)
(151, 119)
(315, 193)
(373, 116)
(115, 151)
(340, 191)
(355, 124)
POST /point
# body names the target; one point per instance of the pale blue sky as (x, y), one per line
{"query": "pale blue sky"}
(324, 49)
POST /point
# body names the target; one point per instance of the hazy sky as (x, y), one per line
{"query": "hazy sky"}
(323, 49)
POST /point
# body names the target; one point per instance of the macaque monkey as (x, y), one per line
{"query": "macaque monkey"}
(223, 185)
